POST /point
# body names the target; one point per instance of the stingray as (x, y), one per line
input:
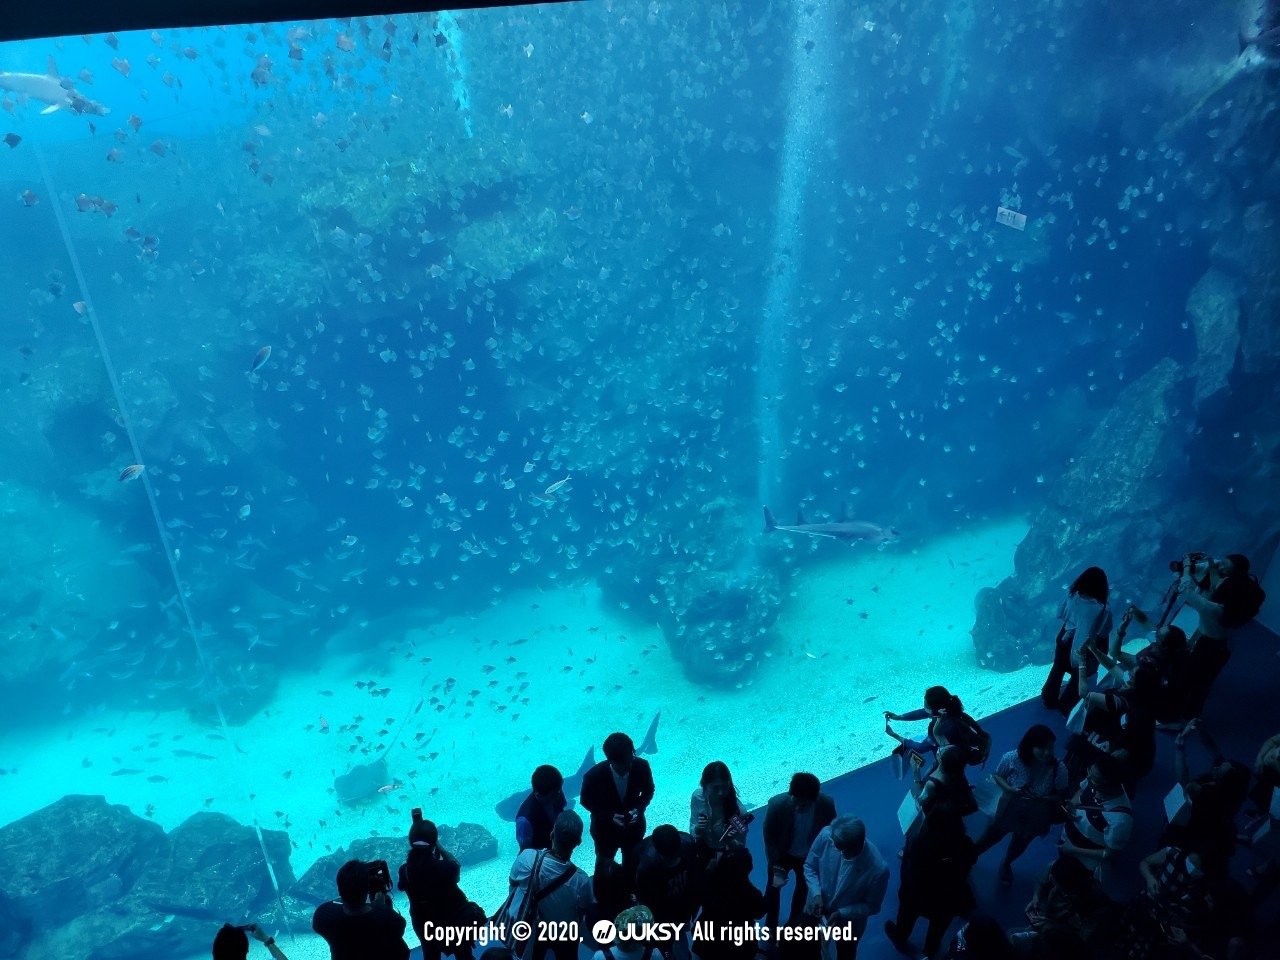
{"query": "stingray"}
(362, 781)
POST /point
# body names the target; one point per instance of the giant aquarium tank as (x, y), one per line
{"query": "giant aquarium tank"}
(394, 404)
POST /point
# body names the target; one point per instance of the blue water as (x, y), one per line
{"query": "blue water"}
(553, 255)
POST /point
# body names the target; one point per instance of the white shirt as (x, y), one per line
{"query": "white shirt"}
(1085, 619)
(620, 783)
(800, 838)
(568, 902)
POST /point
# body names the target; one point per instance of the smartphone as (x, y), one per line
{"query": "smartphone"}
(916, 758)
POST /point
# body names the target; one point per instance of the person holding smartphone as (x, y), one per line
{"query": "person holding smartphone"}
(232, 942)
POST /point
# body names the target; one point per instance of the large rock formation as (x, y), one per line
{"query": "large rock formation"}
(1115, 505)
(83, 878)
(1186, 460)
(705, 585)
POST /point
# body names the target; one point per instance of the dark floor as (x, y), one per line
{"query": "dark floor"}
(1242, 712)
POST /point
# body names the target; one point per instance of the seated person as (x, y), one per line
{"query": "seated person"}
(1173, 906)
(1068, 914)
(1099, 821)
(1156, 674)
(1214, 797)
(1116, 729)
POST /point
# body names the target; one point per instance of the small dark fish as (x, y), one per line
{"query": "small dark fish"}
(12, 139)
(130, 472)
(124, 772)
(869, 699)
(259, 358)
(156, 778)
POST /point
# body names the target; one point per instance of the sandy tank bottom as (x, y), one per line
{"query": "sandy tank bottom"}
(553, 673)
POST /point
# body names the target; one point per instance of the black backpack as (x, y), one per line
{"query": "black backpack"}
(979, 741)
(1241, 598)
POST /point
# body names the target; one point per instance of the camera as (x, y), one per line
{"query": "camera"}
(379, 877)
(416, 813)
(1198, 562)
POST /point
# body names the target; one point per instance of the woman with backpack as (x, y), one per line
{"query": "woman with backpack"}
(1033, 783)
(948, 724)
(1086, 627)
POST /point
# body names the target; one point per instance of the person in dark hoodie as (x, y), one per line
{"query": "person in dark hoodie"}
(540, 808)
(730, 898)
(616, 793)
(429, 878)
(669, 881)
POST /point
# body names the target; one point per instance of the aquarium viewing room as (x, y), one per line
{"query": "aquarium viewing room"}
(640, 480)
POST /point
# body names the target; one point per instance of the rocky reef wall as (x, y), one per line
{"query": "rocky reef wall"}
(1187, 457)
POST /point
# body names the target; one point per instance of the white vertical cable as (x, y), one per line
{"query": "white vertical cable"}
(206, 665)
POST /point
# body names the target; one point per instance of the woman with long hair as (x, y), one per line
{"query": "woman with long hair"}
(947, 725)
(1085, 621)
(716, 815)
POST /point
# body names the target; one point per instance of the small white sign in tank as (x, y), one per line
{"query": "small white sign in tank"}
(1011, 218)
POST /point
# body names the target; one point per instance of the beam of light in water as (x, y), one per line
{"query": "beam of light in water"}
(447, 24)
(810, 73)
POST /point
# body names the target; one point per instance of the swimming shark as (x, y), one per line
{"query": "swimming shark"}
(50, 88)
(844, 529)
(509, 807)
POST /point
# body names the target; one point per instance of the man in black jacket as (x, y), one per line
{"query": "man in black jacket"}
(791, 822)
(616, 792)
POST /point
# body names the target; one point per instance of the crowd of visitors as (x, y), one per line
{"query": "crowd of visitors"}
(1115, 702)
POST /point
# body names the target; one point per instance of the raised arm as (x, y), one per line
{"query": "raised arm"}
(1181, 771)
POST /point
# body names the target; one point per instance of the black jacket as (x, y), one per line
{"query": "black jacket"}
(376, 935)
(672, 893)
(600, 794)
(535, 834)
(430, 880)
(780, 824)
